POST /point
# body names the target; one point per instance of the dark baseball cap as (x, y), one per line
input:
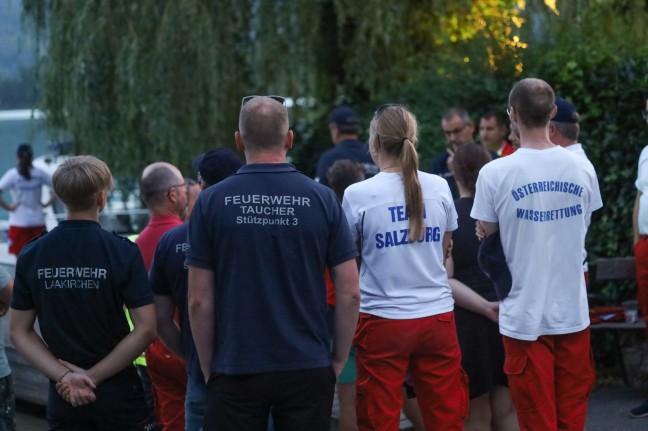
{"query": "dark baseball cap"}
(492, 261)
(345, 118)
(566, 112)
(216, 165)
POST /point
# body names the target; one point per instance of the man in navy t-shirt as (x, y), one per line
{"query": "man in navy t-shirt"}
(169, 280)
(259, 243)
(344, 126)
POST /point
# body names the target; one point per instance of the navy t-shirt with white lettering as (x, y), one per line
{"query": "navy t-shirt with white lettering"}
(169, 278)
(267, 233)
(79, 277)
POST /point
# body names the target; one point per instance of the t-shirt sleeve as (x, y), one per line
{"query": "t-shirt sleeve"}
(595, 199)
(136, 291)
(451, 211)
(350, 213)
(199, 252)
(157, 274)
(8, 180)
(5, 277)
(342, 245)
(484, 205)
(22, 298)
(642, 171)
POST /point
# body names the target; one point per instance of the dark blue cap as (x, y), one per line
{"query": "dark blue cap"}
(492, 261)
(216, 165)
(345, 118)
(566, 112)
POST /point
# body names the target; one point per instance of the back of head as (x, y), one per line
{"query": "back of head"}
(263, 124)
(157, 179)
(393, 130)
(25, 155)
(467, 161)
(342, 174)
(533, 101)
(216, 165)
(566, 119)
(345, 119)
(79, 180)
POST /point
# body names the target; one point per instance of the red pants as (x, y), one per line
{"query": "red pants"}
(386, 349)
(169, 386)
(550, 380)
(641, 262)
(19, 236)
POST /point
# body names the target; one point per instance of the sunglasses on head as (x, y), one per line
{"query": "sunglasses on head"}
(381, 108)
(279, 99)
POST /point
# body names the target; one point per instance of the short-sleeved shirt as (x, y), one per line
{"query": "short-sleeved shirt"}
(79, 277)
(169, 278)
(540, 199)
(5, 370)
(26, 194)
(148, 239)
(267, 233)
(642, 185)
(346, 150)
(399, 278)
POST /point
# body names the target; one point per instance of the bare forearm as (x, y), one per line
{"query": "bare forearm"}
(347, 305)
(635, 218)
(467, 298)
(169, 333)
(202, 316)
(32, 347)
(130, 347)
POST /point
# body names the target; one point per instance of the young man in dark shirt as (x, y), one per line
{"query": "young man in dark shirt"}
(76, 279)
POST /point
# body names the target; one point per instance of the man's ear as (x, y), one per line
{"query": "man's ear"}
(289, 140)
(239, 141)
(102, 199)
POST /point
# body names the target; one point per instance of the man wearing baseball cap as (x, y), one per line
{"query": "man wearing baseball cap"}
(563, 131)
(344, 125)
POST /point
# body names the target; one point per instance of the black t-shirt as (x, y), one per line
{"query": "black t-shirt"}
(464, 252)
(79, 277)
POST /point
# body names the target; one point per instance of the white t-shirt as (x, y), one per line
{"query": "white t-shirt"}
(642, 186)
(578, 149)
(26, 194)
(540, 199)
(399, 279)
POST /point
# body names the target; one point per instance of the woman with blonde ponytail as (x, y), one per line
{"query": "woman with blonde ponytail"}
(403, 221)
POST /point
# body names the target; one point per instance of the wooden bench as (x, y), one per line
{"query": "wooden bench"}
(617, 269)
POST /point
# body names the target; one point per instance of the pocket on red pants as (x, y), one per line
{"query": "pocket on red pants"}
(521, 388)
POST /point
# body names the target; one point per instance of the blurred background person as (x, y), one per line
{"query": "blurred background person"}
(482, 349)
(492, 133)
(24, 183)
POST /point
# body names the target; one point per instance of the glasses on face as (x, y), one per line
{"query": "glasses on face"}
(644, 114)
(455, 131)
(185, 185)
(279, 99)
(190, 182)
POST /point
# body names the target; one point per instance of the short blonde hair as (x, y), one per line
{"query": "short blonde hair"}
(79, 180)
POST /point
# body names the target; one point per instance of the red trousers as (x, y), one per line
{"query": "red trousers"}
(169, 386)
(550, 380)
(641, 262)
(19, 236)
(386, 349)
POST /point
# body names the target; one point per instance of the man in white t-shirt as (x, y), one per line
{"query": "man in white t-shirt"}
(640, 235)
(538, 198)
(563, 131)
